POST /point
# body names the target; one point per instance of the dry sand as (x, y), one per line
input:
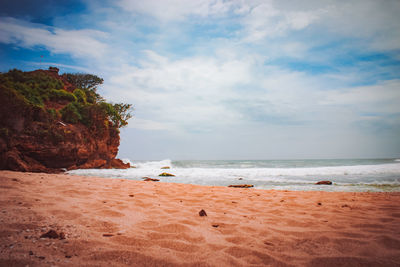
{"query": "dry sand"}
(131, 223)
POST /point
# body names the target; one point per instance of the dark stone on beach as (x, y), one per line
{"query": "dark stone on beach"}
(241, 185)
(53, 234)
(62, 235)
(151, 180)
(202, 213)
(240, 179)
(30, 252)
(165, 167)
(215, 225)
(324, 182)
(319, 203)
(166, 174)
(108, 235)
(131, 195)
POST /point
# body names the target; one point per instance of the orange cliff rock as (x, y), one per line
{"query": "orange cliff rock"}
(34, 141)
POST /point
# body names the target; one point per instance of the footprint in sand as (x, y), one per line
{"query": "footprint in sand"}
(132, 241)
(389, 242)
(237, 240)
(148, 224)
(252, 256)
(178, 246)
(63, 214)
(111, 213)
(173, 228)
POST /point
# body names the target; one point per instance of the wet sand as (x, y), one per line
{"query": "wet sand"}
(115, 222)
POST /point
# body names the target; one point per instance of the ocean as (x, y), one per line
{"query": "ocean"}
(349, 175)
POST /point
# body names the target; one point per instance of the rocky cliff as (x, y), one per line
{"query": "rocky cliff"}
(47, 124)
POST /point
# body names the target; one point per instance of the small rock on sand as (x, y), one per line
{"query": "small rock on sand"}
(241, 185)
(108, 235)
(165, 167)
(151, 180)
(53, 234)
(202, 213)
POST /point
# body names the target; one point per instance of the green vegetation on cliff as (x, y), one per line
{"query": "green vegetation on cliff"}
(35, 87)
(70, 97)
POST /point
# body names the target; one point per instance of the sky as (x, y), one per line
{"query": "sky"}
(220, 79)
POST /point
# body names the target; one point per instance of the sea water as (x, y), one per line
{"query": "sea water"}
(353, 175)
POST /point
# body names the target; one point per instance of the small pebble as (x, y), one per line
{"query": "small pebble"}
(202, 213)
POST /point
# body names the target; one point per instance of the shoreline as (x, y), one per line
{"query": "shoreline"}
(122, 222)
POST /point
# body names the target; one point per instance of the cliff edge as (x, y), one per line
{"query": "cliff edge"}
(49, 124)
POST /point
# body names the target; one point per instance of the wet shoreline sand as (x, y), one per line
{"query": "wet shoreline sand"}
(120, 222)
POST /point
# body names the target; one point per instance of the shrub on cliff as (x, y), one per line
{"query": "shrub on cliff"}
(87, 83)
(70, 113)
(35, 86)
(62, 95)
(92, 105)
(80, 96)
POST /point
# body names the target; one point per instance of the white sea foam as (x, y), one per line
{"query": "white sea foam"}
(366, 174)
(153, 164)
(127, 161)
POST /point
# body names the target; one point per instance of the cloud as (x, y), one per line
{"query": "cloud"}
(265, 20)
(380, 98)
(200, 95)
(176, 10)
(143, 124)
(78, 43)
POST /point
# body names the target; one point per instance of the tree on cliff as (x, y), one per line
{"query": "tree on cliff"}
(86, 82)
(118, 113)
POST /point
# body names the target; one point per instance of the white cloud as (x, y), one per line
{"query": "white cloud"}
(383, 97)
(373, 22)
(176, 10)
(143, 124)
(78, 43)
(181, 93)
(266, 20)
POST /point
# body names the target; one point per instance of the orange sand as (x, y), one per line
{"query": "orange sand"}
(158, 224)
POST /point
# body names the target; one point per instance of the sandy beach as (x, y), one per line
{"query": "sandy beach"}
(116, 222)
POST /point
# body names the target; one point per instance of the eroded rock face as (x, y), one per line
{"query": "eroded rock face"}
(30, 140)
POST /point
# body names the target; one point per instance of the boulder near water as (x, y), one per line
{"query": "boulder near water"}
(166, 174)
(324, 183)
